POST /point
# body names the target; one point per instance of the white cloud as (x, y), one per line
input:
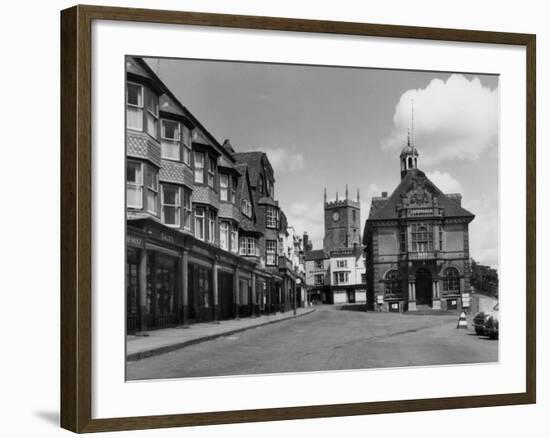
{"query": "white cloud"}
(444, 182)
(285, 160)
(308, 216)
(484, 231)
(457, 118)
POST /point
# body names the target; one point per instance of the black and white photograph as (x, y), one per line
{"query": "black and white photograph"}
(287, 218)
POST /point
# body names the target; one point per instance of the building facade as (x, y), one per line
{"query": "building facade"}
(199, 226)
(336, 274)
(417, 245)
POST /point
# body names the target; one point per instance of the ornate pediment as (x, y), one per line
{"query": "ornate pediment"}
(418, 194)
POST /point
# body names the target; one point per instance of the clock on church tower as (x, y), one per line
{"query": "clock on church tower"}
(342, 223)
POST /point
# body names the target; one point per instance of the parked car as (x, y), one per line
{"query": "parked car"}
(486, 323)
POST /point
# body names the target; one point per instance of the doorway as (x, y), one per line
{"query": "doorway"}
(423, 287)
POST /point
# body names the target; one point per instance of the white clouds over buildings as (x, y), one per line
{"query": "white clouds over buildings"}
(453, 119)
(285, 160)
(444, 182)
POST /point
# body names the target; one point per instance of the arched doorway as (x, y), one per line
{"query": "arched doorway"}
(423, 287)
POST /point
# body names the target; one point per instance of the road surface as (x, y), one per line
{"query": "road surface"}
(327, 339)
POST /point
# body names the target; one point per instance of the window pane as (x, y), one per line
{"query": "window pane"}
(170, 130)
(170, 216)
(134, 118)
(134, 94)
(133, 196)
(132, 172)
(170, 195)
(170, 150)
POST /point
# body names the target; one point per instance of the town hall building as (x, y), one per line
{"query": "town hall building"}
(417, 245)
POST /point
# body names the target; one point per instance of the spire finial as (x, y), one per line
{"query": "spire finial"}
(325, 194)
(337, 196)
(412, 122)
(347, 192)
(357, 194)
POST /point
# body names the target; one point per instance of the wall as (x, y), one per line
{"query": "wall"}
(30, 256)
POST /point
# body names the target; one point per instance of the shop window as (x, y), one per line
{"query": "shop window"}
(271, 252)
(451, 281)
(152, 189)
(171, 205)
(132, 289)
(134, 184)
(134, 106)
(170, 135)
(392, 283)
(152, 114)
(199, 167)
(199, 223)
(187, 212)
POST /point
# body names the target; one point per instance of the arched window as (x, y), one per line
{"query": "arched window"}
(422, 237)
(410, 163)
(393, 282)
(451, 281)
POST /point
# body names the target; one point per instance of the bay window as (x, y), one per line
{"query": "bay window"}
(199, 167)
(186, 141)
(152, 190)
(170, 134)
(271, 252)
(224, 235)
(271, 217)
(134, 106)
(234, 190)
(134, 184)
(171, 205)
(234, 238)
(224, 187)
(212, 227)
(187, 212)
(249, 246)
(152, 114)
(246, 208)
(211, 172)
(199, 223)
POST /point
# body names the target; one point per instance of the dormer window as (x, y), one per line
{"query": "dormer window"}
(134, 106)
(246, 208)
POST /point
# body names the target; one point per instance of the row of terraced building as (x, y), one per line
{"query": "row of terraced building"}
(206, 237)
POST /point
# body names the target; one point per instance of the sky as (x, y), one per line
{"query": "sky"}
(325, 127)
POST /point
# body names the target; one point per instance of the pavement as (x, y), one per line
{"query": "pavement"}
(156, 342)
(328, 339)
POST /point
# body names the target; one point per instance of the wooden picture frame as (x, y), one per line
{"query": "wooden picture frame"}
(76, 217)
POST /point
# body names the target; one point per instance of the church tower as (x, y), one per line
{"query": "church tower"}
(342, 222)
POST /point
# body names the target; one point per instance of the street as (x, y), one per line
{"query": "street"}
(327, 339)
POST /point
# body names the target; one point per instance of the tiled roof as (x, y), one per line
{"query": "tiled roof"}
(316, 254)
(388, 209)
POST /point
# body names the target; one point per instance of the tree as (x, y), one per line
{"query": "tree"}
(484, 278)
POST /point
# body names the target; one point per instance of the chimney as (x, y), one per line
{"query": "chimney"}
(384, 194)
